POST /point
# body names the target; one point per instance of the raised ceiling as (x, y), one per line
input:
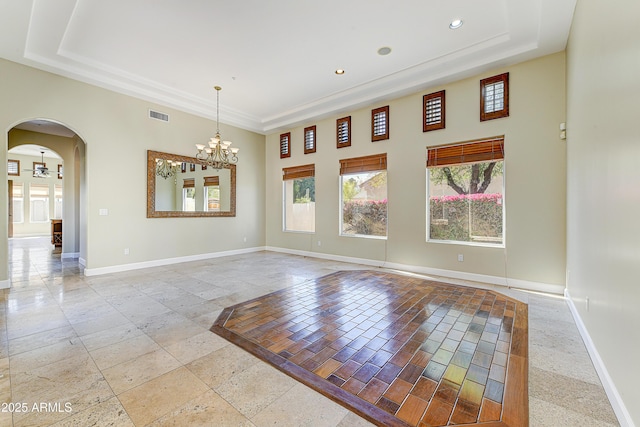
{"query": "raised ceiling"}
(275, 60)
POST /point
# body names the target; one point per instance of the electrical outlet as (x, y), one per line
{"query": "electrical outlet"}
(319, 243)
(126, 251)
(460, 258)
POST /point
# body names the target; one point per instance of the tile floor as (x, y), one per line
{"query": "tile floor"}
(397, 349)
(134, 349)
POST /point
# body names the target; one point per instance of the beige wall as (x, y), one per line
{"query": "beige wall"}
(535, 186)
(117, 133)
(603, 204)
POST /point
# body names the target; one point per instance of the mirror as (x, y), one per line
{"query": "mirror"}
(186, 188)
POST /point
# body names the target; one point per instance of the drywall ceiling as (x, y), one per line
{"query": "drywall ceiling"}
(276, 60)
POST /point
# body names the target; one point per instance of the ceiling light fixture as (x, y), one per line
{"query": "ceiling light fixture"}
(383, 51)
(339, 71)
(455, 24)
(218, 155)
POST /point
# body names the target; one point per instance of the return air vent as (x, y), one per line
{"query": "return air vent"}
(158, 115)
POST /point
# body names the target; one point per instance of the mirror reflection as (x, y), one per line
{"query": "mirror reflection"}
(179, 186)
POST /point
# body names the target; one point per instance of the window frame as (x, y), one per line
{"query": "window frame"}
(291, 174)
(211, 181)
(339, 123)
(285, 153)
(17, 163)
(60, 171)
(453, 158)
(359, 165)
(311, 130)
(375, 112)
(425, 111)
(504, 112)
(21, 198)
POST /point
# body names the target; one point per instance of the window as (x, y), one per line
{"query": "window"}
(494, 97)
(13, 167)
(310, 140)
(433, 111)
(59, 171)
(285, 145)
(363, 196)
(299, 198)
(380, 124)
(343, 132)
(18, 203)
(189, 194)
(37, 167)
(57, 209)
(212, 194)
(466, 192)
(39, 202)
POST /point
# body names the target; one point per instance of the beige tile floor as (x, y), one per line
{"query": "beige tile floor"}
(133, 349)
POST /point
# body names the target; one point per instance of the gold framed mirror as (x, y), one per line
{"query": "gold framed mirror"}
(180, 186)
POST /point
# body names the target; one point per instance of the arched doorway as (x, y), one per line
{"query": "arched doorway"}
(52, 195)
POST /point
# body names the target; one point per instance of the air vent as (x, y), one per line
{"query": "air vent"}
(158, 115)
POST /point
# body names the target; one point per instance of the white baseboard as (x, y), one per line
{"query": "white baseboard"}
(624, 418)
(5, 284)
(451, 274)
(66, 255)
(167, 261)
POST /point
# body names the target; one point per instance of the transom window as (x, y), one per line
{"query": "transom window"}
(299, 198)
(465, 200)
(363, 196)
(494, 97)
(343, 132)
(285, 145)
(13, 167)
(380, 123)
(310, 140)
(433, 111)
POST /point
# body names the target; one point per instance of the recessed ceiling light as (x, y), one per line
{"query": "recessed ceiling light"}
(456, 23)
(384, 51)
(339, 71)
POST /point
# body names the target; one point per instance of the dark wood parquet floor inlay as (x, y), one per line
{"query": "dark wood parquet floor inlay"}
(398, 350)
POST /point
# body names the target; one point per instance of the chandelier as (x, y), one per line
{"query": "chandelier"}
(166, 168)
(218, 154)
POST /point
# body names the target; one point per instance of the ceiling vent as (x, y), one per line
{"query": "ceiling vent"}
(158, 115)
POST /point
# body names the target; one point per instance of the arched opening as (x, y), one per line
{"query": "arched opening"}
(45, 181)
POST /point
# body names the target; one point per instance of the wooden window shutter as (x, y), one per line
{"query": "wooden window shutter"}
(433, 111)
(343, 132)
(304, 171)
(486, 150)
(380, 123)
(310, 140)
(375, 162)
(211, 180)
(189, 183)
(285, 145)
(494, 97)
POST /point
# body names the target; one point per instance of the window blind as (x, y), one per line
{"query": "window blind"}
(304, 171)
(285, 140)
(343, 132)
(434, 111)
(13, 167)
(189, 183)
(374, 162)
(211, 181)
(468, 152)
(380, 123)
